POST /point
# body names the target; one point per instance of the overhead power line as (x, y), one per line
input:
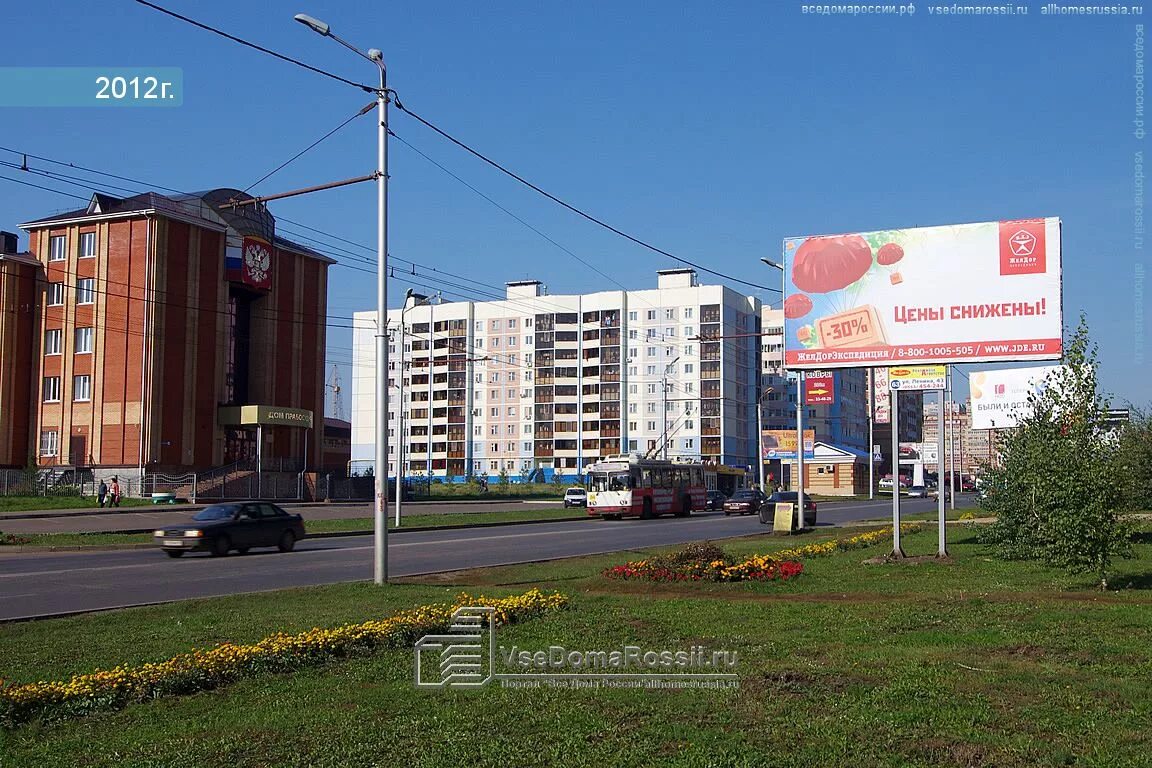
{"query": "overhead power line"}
(476, 153)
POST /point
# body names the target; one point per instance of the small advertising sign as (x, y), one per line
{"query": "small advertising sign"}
(918, 377)
(819, 388)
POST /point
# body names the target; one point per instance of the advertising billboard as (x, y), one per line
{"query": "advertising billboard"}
(881, 397)
(918, 377)
(951, 294)
(781, 444)
(819, 388)
(911, 453)
(999, 398)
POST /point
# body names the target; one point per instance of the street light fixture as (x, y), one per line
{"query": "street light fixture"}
(380, 560)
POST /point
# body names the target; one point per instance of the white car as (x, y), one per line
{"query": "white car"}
(575, 497)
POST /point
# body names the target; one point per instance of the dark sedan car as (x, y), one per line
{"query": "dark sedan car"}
(768, 513)
(715, 500)
(744, 503)
(221, 528)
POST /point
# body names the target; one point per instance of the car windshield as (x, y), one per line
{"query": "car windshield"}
(743, 495)
(216, 512)
(575, 491)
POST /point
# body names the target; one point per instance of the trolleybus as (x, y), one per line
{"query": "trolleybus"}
(632, 486)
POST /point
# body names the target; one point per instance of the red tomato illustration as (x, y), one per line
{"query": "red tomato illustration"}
(797, 305)
(889, 254)
(825, 264)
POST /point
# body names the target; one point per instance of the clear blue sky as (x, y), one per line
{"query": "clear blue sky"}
(711, 130)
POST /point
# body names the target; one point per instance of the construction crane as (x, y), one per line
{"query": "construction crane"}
(333, 384)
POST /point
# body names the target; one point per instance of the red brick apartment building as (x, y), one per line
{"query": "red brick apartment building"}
(168, 333)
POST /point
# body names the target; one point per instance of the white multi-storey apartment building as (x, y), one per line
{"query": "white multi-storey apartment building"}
(535, 383)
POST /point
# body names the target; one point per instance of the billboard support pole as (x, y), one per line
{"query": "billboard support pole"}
(951, 443)
(942, 550)
(871, 438)
(800, 450)
(897, 551)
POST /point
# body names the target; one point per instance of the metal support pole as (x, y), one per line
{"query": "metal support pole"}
(942, 549)
(431, 353)
(380, 518)
(951, 444)
(401, 442)
(800, 450)
(897, 550)
(760, 438)
(871, 437)
(664, 412)
(259, 460)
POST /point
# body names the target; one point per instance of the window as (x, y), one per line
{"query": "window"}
(511, 394)
(670, 314)
(495, 325)
(511, 433)
(494, 430)
(633, 370)
(49, 442)
(87, 245)
(689, 367)
(511, 323)
(511, 448)
(651, 389)
(632, 389)
(494, 464)
(633, 334)
(479, 325)
(651, 426)
(689, 424)
(527, 446)
(51, 389)
(57, 249)
(633, 426)
(631, 407)
(651, 370)
(690, 443)
(670, 332)
(512, 410)
(689, 349)
(528, 430)
(81, 388)
(55, 294)
(668, 351)
(651, 352)
(479, 342)
(687, 312)
(651, 407)
(632, 316)
(83, 340)
(689, 331)
(495, 342)
(632, 445)
(689, 386)
(527, 341)
(52, 341)
(651, 333)
(495, 413)
(651, 314)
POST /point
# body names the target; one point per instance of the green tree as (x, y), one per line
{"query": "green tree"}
(1054, 491)
(503, 481)
(1134, 461)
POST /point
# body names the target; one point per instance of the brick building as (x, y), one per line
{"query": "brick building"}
(168, 333)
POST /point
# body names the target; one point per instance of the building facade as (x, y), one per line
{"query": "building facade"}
(535, 384)
(173, 333)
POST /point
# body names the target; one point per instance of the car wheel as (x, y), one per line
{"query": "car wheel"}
(174, 552)
(220, 546)
(287, 541)
(243, 550)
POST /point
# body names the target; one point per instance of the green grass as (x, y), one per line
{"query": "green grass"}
(978, 662)
(319, 526)
(471, 491)
(33, 503)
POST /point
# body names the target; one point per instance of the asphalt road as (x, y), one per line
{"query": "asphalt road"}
(147, 518)
(36, 584)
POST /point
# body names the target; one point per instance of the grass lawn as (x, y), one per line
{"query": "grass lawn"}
(320, 526)
(33, 503)
(977, 662)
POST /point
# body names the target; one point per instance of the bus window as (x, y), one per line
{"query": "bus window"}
(619, 481)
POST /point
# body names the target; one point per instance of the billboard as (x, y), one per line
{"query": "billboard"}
(918, 377)
(819, 388)
(952, 294)
(781, 444)
(999, 398)
(911, 453)
(881, 397)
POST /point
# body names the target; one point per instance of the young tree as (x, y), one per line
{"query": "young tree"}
(1134, 461)
(1054, 491)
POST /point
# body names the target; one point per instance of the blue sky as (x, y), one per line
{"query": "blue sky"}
(711, 132)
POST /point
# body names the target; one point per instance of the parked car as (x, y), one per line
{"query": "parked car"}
(968, 486)
(715, 500)
(745, 502)
(221, 528)
(935, 493)
(768, 512)
(918, 492)
(575, 497)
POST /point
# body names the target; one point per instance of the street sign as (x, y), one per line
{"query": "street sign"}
(918, 377)
(819, 388)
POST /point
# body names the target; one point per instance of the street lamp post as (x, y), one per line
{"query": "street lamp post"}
(380, 560)
(799, 414)
(664, 390)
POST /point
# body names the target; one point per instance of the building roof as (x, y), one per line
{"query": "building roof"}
(212, 206)
(20, 258)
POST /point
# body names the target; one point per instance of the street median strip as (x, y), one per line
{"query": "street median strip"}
(51, 701)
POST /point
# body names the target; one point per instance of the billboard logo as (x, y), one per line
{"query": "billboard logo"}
(1000, 389)
(1022, 247)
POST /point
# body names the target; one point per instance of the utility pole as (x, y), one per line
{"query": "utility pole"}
(664, 405)
(800, 450)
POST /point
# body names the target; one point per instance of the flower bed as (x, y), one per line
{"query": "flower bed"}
(706, 562)
(203, 670)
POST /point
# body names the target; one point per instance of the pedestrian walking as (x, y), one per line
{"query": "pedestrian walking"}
(114, 491)
(102, 494)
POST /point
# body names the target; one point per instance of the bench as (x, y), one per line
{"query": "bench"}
(163, 498)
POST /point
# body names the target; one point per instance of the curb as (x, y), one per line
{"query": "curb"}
(28, 548)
